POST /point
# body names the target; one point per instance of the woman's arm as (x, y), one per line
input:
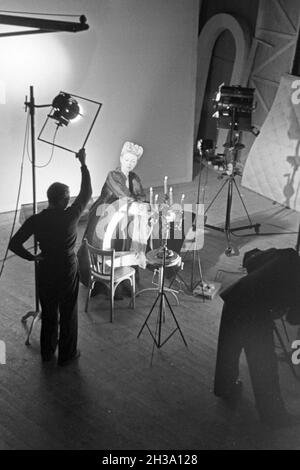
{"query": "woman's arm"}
(137, 189)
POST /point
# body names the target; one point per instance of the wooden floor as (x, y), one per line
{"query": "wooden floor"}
(113, 398)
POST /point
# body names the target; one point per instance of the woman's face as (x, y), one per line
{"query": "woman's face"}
(128, 162)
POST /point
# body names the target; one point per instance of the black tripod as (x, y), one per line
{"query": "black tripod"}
(196, 256)
(196, 262)
(233, 147)
(163, 301)
(196, 277)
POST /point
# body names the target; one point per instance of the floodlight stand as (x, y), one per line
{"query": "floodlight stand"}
(227, 229)
(33, 313)
(195, 280)
(196, 255)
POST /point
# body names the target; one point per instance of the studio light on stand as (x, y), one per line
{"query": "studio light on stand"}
(233, 110)
(201, 287)
(194, 239)
(64, 108)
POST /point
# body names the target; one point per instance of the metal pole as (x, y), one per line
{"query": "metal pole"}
(32, 125)
(195, 227)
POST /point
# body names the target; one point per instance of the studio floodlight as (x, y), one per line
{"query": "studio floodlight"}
(67, 107)
(64, 109)
(233, 106)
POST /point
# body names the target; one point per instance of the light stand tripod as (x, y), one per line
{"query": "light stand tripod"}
(234, 147)
(33, 313)
(205, 289)
(162, 255)
(196, 256)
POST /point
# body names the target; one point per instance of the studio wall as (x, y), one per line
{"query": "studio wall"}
(138, 58)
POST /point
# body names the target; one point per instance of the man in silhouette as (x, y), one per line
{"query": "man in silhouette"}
(55, 229)
(270, 290)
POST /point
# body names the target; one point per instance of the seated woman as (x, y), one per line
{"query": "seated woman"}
(122, 192)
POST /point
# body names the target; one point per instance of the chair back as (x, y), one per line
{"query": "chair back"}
(101, 262)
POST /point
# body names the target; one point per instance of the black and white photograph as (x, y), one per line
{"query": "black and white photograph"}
(149, 228)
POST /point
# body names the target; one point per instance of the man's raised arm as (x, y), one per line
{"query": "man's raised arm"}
(85, 193)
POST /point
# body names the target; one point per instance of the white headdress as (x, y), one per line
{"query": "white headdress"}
(134, 149)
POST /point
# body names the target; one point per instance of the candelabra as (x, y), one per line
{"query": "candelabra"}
(166, 217)
(163, 214)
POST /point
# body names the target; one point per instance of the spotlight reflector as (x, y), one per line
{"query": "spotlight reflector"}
(234, 103)
(68, 107)
(64, 109)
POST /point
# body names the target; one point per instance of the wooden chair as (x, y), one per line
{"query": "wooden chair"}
(102, 269)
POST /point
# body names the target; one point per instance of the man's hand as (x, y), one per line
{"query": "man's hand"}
(81, 155)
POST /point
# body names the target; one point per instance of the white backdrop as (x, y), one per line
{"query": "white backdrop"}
(273, 165)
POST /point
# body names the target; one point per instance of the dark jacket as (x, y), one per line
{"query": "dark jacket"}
(55, 229)
(113, 189)
(271, 285)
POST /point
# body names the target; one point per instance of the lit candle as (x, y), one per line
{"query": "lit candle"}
(171, 196)
(151, 196)
(166, 185)
(182, 201)
(156, 201)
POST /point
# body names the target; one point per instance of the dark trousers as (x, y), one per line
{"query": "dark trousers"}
(253, 333)
(58, 296)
